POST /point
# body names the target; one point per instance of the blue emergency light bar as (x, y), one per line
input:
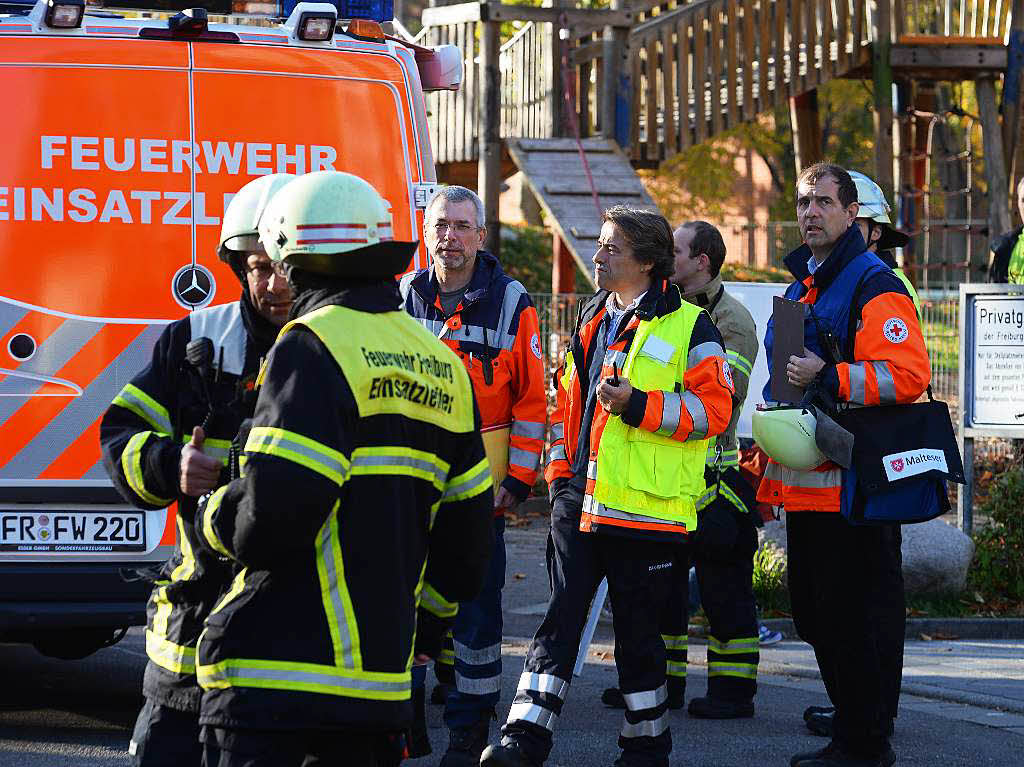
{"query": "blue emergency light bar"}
(373, 10)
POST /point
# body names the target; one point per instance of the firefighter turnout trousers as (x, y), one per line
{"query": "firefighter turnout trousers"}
(842, 579)
(638, 572)
(723, 556)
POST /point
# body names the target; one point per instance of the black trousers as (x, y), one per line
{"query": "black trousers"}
(638, 572)
(244, 748)
(725, 572)
(165, 737)
(842, 579)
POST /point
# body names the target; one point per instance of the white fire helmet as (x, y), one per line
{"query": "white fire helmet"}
(333, 223)
(786, 434)
(873, 206)
(238, 233)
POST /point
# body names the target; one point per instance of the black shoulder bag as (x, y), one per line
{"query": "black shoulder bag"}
(903, 456)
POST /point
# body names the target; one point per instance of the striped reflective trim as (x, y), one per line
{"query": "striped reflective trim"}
(447, 656)
(739, 362)
(886, 384)
(638, 701)
(545, 683)
(741, 670)
(404, 461)
(706, 498)
(671, 406)
(468, 484)
(215, 448)
(729, 457)
(478, 657)
(469, 686)
(598, 509)
(557, 453)
(675, 642)
(337, 603)
(814, 480)
(180, 659)
(648, 728)
(302, 450)
(528, 429)
(858, 382)
(730, 495)
(592, 470)
(531, 712)
(733, 646)
(496, 339)
(145, 407)
(557, 430)
(704, 351)
(305, 677)
(432, 601)
(209, 511)
(131, 465)
(524, 459)
(699, 415)
(675, 668)
(514, 291)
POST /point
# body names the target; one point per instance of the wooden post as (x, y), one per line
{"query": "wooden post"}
(995, 163)
(882, 72)
(558, 47)
(616, 98)
(563, 267)
(489, 119)
(803, 112)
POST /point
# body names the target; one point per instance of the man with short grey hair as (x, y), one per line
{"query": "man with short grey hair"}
(487, 318)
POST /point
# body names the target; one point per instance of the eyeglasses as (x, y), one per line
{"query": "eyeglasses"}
(459, 227)
(262, 272)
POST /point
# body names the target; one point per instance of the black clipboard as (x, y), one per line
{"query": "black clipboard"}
(788, 340)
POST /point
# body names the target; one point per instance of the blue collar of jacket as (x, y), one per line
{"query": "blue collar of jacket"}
(847, 247)
(486, 271)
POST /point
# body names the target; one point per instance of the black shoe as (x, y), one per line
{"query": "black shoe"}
(612, 697)
(839, 758)
(820, 753)
(818, 710)
(505, 754)
(715, 708)
(419, 741)
(439, 695)
(821, 723)
(466, 743)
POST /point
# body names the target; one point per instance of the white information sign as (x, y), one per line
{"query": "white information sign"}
(998, 356)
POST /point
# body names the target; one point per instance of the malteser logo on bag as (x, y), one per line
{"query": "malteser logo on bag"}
(913, 462)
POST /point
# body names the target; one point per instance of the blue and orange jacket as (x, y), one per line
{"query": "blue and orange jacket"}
(885, 363)
(496, 334)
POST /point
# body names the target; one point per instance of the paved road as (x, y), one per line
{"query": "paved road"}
(966, 706)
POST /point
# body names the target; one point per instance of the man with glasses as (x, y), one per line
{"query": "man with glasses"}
(487, 318)
(166, 437)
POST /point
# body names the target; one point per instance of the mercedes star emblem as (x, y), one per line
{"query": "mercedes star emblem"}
(193, 286)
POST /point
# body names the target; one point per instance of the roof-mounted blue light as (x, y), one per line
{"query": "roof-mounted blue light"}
(374, 10)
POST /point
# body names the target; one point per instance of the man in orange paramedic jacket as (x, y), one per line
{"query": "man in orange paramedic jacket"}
(645, 381)
(487, 318)
(838, 572)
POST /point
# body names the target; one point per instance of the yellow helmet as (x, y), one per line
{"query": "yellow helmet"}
(786, 434)
(333, 223)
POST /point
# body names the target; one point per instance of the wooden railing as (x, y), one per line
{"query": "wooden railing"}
(707, 66)
(953, 18)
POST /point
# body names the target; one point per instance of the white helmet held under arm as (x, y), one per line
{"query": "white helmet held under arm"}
(336, 224)
(238, 232)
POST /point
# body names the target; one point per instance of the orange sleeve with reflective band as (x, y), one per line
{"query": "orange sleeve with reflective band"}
(558, 466)
(529, 403)
(702, 410)
(891, 358)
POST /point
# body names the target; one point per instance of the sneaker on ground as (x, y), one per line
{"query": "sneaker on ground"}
(765, 636)
(818, 710)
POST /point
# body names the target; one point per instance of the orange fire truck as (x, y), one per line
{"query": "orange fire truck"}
(126, 134)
